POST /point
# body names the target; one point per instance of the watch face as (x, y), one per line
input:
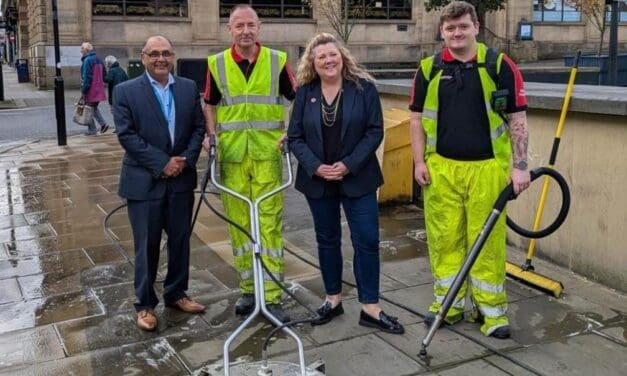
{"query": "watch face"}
(522, 165)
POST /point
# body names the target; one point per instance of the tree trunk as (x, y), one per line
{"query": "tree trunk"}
(482, 26)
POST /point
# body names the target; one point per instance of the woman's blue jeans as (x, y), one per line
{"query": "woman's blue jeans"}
(362, 214)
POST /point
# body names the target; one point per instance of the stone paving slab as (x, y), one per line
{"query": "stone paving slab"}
(482, 367)
(9, 291)
(367, 355)
(594, 355)
(37, 312)
(29, 346)
(145, 358)
(113, 331)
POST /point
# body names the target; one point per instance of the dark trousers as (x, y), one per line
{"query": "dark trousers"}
(148, 219)
(362, 214)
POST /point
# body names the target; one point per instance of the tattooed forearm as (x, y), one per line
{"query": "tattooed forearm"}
(520, 138)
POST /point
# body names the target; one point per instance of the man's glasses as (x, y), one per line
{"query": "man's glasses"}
(154, 55)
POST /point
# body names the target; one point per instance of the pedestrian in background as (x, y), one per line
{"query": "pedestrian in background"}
(335, 129)
(92, 87)
(115, 75)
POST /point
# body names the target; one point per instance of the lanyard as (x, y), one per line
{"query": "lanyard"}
(167, 111)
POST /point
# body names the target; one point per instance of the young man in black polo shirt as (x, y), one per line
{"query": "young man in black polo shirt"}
(468, 124)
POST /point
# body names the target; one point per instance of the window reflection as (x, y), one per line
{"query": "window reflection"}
(555, 11)
(164, 8)
(270, 8)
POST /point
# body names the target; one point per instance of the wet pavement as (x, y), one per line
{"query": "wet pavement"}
(66, 291)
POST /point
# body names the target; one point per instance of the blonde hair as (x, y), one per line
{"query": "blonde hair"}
(351, 70)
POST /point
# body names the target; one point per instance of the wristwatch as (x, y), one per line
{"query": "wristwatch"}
(520, 165)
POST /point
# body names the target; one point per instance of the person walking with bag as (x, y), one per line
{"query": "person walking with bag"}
(93, 87)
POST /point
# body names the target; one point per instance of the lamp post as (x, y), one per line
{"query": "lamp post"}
(59, 96)
(613, 52)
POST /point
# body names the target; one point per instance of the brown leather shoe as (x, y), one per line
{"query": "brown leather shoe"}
(146, 320)
(185, 304)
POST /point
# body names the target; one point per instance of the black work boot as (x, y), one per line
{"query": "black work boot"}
(245, 304)
(278, 312)
(501, 332)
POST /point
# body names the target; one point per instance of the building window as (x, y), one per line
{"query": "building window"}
(163, 8)
(382, 9)
(555, 11)
(270, 8)
(622, 12)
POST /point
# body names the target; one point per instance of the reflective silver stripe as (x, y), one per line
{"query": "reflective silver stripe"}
(431, 141)
(493, 311)
(274, 72)
(274, 253)
(248, 274)
(498, 131)
(222, 77)
(430, 114)
(241, 125)
(458, 303)
(444, 282)
(237, 252)
(254, 99)
(488, 287)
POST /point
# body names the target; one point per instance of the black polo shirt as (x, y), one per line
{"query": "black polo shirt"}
(463, 125)
(287, 84)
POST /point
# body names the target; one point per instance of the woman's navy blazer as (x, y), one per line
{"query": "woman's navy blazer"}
(362, 132)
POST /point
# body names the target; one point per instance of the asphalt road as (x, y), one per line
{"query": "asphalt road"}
(37, 123)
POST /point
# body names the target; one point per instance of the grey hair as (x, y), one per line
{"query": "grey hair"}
(109, 60)
(88, 46)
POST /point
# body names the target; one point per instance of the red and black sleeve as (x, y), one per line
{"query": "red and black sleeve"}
(511, 79)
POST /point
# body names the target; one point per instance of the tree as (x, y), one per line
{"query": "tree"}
(596, 12)
(481, 6)
(341, 15)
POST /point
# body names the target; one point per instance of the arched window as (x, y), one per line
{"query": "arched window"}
(162, 8)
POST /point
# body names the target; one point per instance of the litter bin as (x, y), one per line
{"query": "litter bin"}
(135, 68)
(396, 158)
(22, 70)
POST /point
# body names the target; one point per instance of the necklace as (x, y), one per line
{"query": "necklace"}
(329, 113)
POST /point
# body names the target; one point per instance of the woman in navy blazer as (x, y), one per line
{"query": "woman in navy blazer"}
(335, 129)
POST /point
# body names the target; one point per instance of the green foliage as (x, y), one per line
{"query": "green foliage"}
(482, 6)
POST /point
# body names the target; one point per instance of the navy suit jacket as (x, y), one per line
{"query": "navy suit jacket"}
(142, 130)
(362, 132)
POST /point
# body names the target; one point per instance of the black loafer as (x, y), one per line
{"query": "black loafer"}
(385, 323)
(326, 313)
(245, 304)
(501, 332)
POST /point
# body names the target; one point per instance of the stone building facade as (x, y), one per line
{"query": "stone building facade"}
(388, 31)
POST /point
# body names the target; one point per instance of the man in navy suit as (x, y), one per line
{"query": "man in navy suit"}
(161, 126)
